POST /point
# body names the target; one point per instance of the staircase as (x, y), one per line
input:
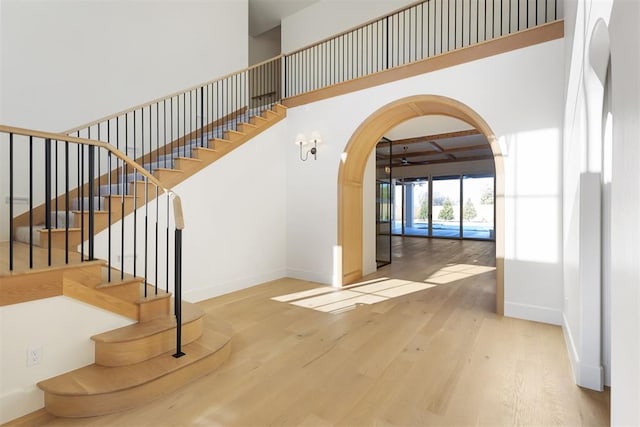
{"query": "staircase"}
(136, 363)
(171, 165)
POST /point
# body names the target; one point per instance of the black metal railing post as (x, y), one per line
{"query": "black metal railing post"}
(11, 238)
(92, 208)
(178, 292)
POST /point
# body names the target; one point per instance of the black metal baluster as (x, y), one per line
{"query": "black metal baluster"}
(125, 185)
(157, 242)
(92, 210)
(441, 29)
(146, 237)
(202, 116)
(167, 247)
(11, 182)
(66, 202)
(30, 201)
(109, 184)
(171, 123)
(56, 183)
(82, 185)
(47, 195)
(455, 24)
(164, 130)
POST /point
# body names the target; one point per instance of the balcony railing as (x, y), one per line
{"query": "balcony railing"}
(412, 34)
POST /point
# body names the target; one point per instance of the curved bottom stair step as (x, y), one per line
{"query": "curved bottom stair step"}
(144, 340)
(97, 390)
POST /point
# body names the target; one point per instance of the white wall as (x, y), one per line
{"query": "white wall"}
(529, 133)
(302, 28)
(52, 324)
(625, 238)
(583, 189)
(68, 62)
(265, 46)
(236, 219)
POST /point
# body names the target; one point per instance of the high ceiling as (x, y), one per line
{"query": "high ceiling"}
(432, 140)
(420, 141)
(265, 15)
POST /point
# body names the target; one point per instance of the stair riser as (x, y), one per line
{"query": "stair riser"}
(130, 352)
(58, 239)
(101, 404)
(154, 309)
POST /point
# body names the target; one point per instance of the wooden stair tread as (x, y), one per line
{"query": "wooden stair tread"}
(164, 170)
(21, 259)
(188, 159)
(116, 280)
(60, 230)
(205, 150)
(97, 380)
(190, 312)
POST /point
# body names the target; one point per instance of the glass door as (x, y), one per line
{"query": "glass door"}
(416, 210)
(384, 203)
(478, 209)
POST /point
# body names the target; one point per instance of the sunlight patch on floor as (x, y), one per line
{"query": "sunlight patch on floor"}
(330, 300)
(454, 272)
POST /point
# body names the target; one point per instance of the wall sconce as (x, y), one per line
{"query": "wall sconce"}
(302, 141)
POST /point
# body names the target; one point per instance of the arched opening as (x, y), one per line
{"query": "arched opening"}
(353, 164)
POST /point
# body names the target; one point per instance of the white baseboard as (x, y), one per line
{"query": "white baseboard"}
(217, 289)
(533, 312)
(571, 348)
(591, 377)
(17, 403)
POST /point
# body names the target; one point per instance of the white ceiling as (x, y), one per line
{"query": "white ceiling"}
(426, 125)
(265, 15)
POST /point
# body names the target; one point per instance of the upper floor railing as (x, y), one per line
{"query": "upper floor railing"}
(414, 33)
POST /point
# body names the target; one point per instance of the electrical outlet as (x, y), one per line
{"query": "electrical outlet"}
(34, 356)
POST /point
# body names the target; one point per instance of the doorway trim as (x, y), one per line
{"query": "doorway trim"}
(354, 161)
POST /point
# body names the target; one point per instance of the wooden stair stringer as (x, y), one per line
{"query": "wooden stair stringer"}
(172, 177)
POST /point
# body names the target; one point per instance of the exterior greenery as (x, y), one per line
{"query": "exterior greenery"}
(446, 213)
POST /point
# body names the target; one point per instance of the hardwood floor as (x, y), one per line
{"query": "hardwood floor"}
(435, 357)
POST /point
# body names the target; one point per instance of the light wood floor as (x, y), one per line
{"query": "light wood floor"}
(436, 357)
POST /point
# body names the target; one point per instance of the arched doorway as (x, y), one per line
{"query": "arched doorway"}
(354, 160)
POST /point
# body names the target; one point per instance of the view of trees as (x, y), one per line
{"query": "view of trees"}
(469, 211)
(424, 207)
(487, 196)
(446, 213)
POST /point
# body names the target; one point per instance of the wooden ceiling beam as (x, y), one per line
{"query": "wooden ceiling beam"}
(437, 153)
(433, 162)
(436, 137)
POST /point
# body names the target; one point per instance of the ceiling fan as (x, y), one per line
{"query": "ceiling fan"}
(404, 161)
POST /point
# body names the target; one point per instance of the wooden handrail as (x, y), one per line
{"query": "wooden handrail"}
(158, 100)
(177, 205)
